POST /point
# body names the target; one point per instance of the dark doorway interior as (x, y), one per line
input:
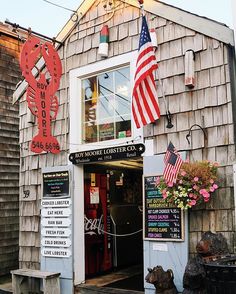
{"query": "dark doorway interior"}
(113, 219)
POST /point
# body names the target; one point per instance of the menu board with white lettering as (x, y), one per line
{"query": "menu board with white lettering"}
(162, 221)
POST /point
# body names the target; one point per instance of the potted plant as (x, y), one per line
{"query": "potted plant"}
(194, 184)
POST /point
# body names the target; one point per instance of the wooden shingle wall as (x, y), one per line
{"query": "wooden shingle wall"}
(209, 103)
(9, 151)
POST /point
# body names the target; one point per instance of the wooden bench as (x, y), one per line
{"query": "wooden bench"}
(26, 281)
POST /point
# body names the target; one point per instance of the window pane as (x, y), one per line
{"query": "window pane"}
(106, 131)
(106, 102)
(122, 90)
(123, 127)
(89, 89)
(106, 107)
(90, 111)
(105, 84)
(122, 82)
(90, 132)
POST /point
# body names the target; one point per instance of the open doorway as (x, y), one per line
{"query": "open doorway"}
(113, 218)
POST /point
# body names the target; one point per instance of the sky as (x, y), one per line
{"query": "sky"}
(47, 19)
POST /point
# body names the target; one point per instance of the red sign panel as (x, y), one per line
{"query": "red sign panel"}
(41, 90)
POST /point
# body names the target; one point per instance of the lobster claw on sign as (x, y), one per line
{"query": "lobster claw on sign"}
(29, 57)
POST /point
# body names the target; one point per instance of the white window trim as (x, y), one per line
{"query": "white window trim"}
(76, 75)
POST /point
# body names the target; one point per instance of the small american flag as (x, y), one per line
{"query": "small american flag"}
(172, 167)
(145, 106)
(170, 149)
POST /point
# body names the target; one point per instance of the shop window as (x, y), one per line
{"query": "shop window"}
(106, 106)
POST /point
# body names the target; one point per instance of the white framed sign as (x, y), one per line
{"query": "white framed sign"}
(54, 212)
(56, 202)
(56, 242)
(56, 232)
(56, 222)
(54, 252)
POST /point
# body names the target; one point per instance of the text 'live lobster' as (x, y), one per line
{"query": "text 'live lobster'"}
(41, 90)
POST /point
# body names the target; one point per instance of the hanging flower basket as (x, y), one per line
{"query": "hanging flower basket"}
(194, 184)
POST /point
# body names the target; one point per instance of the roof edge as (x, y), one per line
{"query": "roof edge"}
(197, 23)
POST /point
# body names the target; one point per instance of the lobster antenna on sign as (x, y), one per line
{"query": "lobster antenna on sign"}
(29, 32)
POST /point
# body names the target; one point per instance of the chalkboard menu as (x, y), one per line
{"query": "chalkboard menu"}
(162, 221)
(56, 184)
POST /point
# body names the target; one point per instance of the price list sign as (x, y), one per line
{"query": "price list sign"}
(162, 222)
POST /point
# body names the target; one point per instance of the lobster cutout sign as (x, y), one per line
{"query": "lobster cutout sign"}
(40, 94)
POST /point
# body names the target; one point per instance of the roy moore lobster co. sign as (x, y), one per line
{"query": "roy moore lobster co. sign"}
(41, 90)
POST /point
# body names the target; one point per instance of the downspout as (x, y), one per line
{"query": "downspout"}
(232, 75)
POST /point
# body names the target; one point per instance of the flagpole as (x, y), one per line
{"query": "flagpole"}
(141, 3)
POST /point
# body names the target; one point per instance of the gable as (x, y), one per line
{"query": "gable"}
(178, 16)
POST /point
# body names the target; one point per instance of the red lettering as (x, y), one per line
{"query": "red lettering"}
(43, 104)
(44, 113)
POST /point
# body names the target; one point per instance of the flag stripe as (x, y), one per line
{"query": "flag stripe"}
(150, 85)
(140, 105)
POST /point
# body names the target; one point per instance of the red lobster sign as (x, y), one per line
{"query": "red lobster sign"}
(40, 94)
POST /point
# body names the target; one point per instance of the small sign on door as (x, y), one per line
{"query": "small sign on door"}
(94, 195)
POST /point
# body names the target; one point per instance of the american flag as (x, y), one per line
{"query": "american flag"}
(170, 149)
(145, 106)
(172, 167)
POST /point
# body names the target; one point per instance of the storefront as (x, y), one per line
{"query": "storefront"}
(108, 164)
(107, 159)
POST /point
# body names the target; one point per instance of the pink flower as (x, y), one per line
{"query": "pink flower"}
(206, 195)
(211, 181)
(195, 187)
(196, 179)
(157, 181)
(180, 182)
(183, 173)
(202, 191)
(215, 186)
(164, 195)
(191, 195)
(193, 202)
(212, 189)
(206, 199)
(170, 184)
